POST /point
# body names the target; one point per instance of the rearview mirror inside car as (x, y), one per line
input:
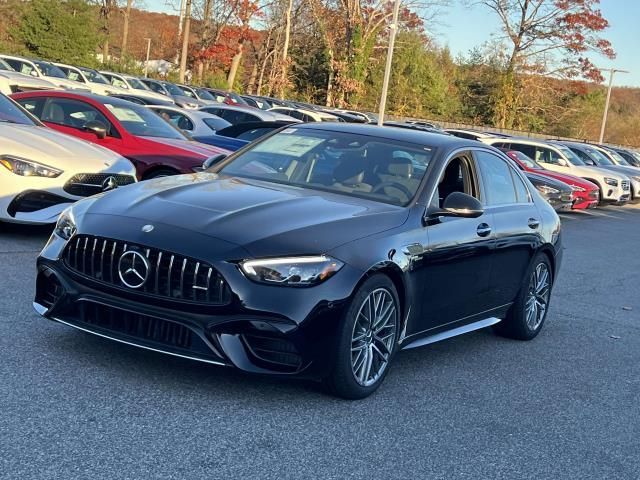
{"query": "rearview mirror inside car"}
(211, 161)
(96, 127)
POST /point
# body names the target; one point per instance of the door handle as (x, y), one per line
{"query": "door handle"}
(483, 230)
(533, 223)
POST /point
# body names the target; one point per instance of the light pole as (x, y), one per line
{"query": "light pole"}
(611, 71)
(387, 70)
(146, 63)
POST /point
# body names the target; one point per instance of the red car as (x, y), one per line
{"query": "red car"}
(585, 193)
(154, 146)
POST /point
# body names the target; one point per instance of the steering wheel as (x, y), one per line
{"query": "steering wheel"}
(397, 186)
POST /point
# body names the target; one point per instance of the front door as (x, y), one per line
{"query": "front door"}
(457, 263)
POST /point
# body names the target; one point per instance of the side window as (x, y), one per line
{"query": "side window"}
(522, 192)
(32, 105)
(498, 179)
(70, 113)
(75, 76)
(234, 117)
(177, 119)
(528, 150)
(501, 145)
(457, 177)
(21, 67)
(154, 86)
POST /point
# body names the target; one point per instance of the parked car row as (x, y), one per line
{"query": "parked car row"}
(596, 174)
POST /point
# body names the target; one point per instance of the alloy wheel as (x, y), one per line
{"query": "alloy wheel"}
(538, 298)
(373, 337)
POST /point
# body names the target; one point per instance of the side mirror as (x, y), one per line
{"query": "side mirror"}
(33, 73)
(562, 162)
(211, 161)
(458, 204)
(96, 127)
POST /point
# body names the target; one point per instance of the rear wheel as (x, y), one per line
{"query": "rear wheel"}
(366, 341)
(527, 315)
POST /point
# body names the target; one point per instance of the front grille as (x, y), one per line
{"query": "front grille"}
(87, 184)
(566, 197)
(135, 325)
(34, 200)
(625, 185)
(165, 274)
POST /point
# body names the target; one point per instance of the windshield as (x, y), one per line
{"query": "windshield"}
(11, 113)
(142, 122)
(526, 160)
(617, 158)
(94, 76)
(5, 66)
(50, 70)
(599, 157)
(356, 165)
(572, 157)
(202, 93)
(136, 84)
(173, 90)
(215, 123)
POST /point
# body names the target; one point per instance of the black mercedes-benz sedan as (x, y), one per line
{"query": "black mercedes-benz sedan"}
(318, 251)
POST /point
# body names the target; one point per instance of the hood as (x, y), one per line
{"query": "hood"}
(266, 219)
(623, 170)
(45, 145)
(545, 180)
(193, 147)
(67, 84)
(148, 94)
(596, 172)
(27, 82)
(182, 100)
(568, 179)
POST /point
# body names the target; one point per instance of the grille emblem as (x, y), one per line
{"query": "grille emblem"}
(109, 183)
(133, 269)
(147, 228)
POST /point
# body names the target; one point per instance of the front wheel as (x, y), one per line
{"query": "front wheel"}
(366, 341)
(527, 315)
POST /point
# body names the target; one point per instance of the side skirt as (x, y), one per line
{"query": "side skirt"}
(487, 322)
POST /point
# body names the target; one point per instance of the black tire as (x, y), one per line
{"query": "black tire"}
(342, 381)
(516, 324)
(163, 172)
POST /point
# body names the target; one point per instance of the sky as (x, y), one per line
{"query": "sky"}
(463, 27)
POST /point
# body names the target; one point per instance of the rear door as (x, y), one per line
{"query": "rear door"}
(516, 225)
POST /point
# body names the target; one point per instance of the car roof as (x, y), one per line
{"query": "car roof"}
(399, 134)
(100, 99)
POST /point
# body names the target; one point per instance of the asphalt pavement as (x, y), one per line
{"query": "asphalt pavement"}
(564, 406)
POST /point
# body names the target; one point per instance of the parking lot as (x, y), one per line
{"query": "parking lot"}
(562, 406)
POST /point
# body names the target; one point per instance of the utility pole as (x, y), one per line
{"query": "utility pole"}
(185, 40)
(387, 70)
(146, 63)
(611, 71)
(181, 19)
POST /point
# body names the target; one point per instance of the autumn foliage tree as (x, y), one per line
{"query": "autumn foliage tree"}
(546, 37)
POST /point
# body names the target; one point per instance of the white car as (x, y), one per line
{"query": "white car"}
(92, 79)
(614, 187)
(42, 171)
(43, 70)
(195, 122)
(133, 85)
(305, 115)
(12, 81)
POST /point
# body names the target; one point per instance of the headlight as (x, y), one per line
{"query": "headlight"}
(66, 225)
(28, 168)
(611, 181)
(547, 190)
(292, 271)
(576, 188)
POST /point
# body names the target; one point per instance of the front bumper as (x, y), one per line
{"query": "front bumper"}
(269, 330)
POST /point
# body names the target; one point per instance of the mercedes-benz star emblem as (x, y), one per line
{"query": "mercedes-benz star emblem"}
(109, 184)
(133, 269)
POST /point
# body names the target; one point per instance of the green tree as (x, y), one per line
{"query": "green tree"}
(60, 31)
